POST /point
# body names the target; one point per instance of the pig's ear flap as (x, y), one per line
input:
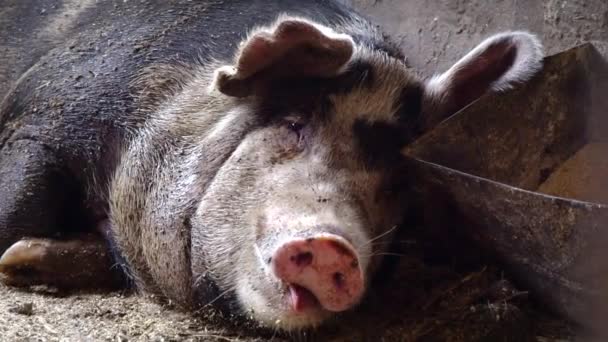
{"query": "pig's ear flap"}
(291, 48)
(497, 64)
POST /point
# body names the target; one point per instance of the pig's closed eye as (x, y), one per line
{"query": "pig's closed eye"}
(295, 127)
(292, 136)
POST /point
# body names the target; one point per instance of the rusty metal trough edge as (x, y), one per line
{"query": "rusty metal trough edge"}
(553, 246)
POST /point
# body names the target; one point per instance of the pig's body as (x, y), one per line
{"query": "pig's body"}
(67, 82)
(264, 181)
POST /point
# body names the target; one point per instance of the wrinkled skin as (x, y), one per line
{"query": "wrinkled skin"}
(216, 163)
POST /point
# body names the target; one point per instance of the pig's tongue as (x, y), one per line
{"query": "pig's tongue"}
(301, 298)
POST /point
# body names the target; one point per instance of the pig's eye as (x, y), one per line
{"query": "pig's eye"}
(295, 127)
(295, 134)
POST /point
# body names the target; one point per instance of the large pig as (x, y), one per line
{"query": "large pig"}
(239, 152)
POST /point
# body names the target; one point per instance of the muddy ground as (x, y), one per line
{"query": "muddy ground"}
(454, 295)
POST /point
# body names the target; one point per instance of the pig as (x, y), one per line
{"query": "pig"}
(244, 154)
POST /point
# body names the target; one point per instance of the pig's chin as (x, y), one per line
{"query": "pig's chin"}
(282, 306)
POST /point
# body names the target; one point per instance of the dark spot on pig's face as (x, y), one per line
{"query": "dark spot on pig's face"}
(410, 111)
(316, 139)
(380, 143)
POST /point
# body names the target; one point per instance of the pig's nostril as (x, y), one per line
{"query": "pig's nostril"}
(339, 280)
(302, 259)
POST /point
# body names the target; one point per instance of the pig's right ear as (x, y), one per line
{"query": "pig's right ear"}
(291, 48)
(496, 64)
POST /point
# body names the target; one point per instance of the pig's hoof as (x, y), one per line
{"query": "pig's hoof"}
(80, 263)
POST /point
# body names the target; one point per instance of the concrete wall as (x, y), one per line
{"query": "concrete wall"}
(435, 33)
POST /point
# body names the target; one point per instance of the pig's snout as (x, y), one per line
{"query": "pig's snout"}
(322, 269)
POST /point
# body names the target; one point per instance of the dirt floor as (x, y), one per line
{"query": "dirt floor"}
(422, 296)
(109, 317)
(455, 296)
(35, 316)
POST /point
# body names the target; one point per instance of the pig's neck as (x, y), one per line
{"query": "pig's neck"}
(162, 176)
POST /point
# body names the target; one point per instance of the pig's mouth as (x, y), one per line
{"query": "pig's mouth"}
(302, 299)
(307, 279)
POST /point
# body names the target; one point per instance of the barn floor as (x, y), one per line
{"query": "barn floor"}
(423, 297)
(95, 317)
(444, 299)
(34, 316)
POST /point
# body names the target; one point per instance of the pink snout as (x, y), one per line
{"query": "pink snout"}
(323, 269)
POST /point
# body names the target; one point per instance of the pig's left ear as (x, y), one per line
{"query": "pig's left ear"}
(496, 64)
(291, 48)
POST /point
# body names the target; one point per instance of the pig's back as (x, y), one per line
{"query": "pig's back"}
(29, 29)
(66, 66)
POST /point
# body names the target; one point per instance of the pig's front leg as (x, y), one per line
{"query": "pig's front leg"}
(80, 261)
(37, 207)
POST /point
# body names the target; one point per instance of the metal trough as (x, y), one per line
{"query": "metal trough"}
(525, 175)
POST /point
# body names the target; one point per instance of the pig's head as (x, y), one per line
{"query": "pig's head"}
(297, 215)
(303, 208)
